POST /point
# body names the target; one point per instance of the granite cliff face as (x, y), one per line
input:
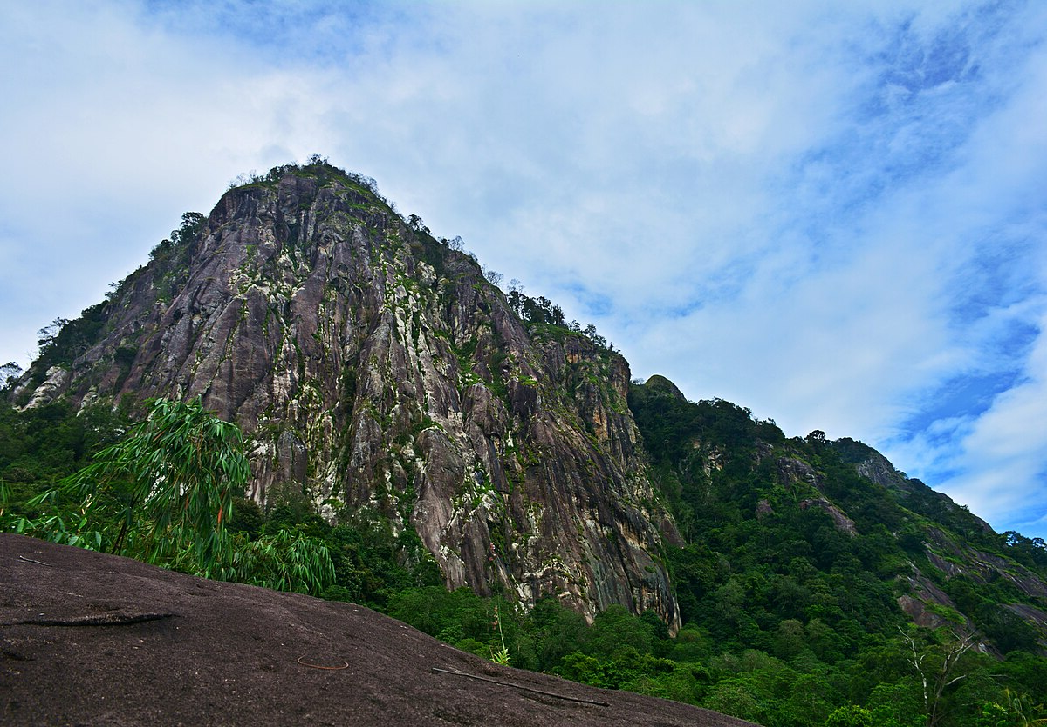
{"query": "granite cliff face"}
(375, 369)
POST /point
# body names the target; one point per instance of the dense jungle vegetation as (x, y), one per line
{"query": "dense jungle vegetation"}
(787, 619)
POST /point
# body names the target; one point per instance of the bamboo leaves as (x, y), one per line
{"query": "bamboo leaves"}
(165, 491)
(284, 561)
(164, 494)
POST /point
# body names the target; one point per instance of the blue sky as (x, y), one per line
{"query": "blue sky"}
(831, 213)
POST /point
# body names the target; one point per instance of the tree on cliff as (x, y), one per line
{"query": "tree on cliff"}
(9, 372)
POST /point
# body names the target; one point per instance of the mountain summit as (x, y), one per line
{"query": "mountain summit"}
(379, 374)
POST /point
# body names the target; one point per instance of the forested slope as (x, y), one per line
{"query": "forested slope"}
(817, 557)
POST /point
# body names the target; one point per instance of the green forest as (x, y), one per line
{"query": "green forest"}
(790, 618)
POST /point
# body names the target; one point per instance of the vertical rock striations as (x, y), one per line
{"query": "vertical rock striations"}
(375, 368)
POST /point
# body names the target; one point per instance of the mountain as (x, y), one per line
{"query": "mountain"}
(806, 528)
(432, 431)
(379, 374)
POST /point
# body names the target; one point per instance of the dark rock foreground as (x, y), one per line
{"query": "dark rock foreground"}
(94, 639)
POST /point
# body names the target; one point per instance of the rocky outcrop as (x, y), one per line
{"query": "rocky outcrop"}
(927, 604)
(660, 384)
(877, 468)
(918, 610)
(763, 509)
(840, 520)
(1036, 617)
(141, 645)
(792, 471)
(55, 380)
(959, 559)
(375, 369)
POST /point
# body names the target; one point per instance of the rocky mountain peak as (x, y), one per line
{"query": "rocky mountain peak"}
(377, 373)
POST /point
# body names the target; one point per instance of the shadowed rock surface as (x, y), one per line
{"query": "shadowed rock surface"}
(93, 639)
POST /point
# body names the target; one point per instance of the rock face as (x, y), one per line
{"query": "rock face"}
(375, 369)
(792, 471)
(840, 520)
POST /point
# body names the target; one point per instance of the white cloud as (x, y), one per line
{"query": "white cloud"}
(1000, 457)
(115, 129)
(801, 209)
